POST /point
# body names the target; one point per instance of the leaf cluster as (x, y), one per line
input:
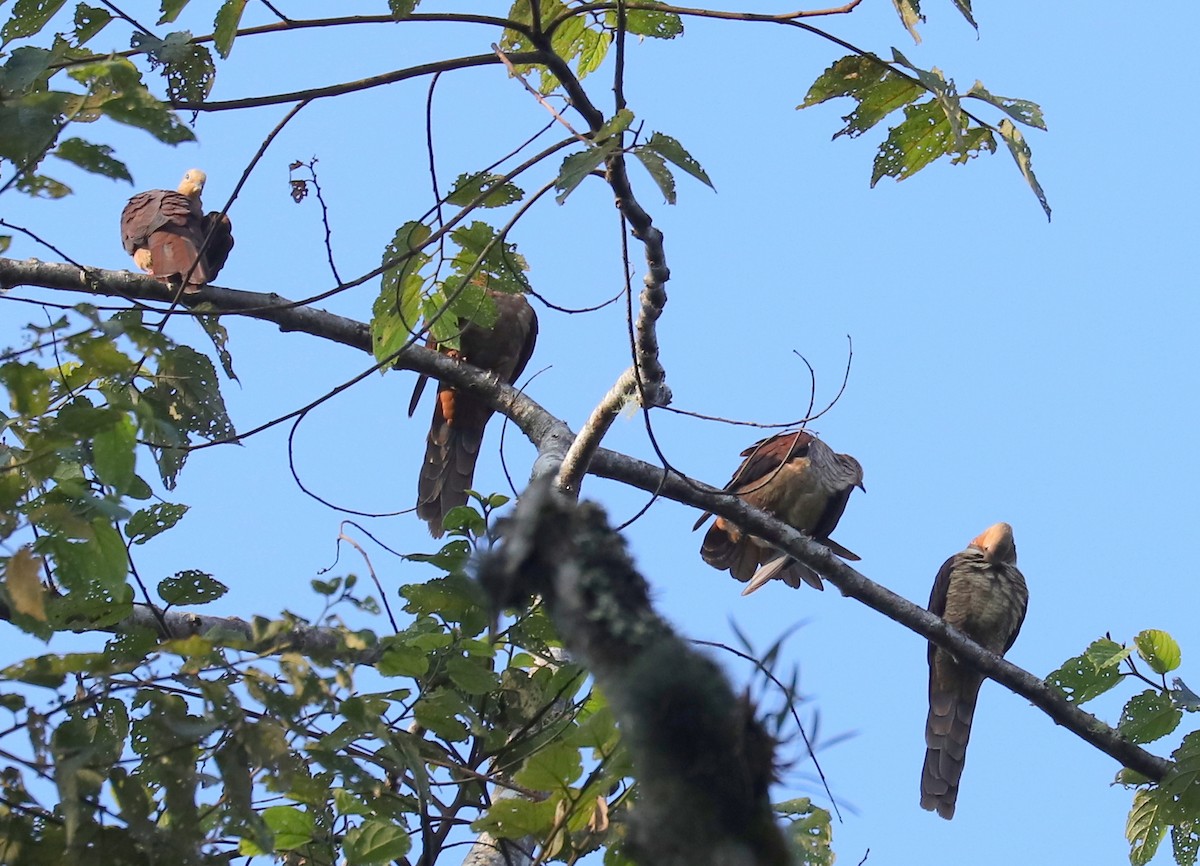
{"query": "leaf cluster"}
(86, 397)
(1150, 715)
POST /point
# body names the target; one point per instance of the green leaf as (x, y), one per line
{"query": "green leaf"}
(438, 711)
(1185, 842)
(5, 242)
(964, 6)
(923, 136)
(657, 167)
(397, 311)
(96, 158)
(376, 841)
(455, 597)
(24, 68)
(1148, 716)
(1158, 649)
(614, 126)
(226, 24)
(190, 71)
(514, 817)
(149, 522)
(28, 388)
(40, 186)
(220, 339)
(1146, 825)
(190, 587)
(98, 563)
(292, 827)
(1020, 110)
(1081, 678)
(553, 768)
(809, 832)
(944, 93)
(572, 39)
(186, 399)
(114, 453)
(577, 166)
(651, 22)
(1023, 156)
(452, 557)
(402, 8)
(472, 675)
(402, 660)
(491, 190)
(171, 10)
(593, 48)
(672, 151)
(876, 88)
(89, 20)
(484, 259)
(118, 91)
(1106, 653)
(28, 18)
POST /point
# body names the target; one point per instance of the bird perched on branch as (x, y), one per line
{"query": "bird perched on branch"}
(170, 237)
(797, 478)
(456, 433)
(980, 593)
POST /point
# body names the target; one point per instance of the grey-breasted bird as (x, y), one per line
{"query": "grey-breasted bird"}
(979, 592)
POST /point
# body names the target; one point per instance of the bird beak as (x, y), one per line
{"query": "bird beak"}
(861, 487)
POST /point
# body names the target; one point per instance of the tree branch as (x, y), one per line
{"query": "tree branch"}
(553, 437)
(355, 86)
(703, 762)
(646, 378)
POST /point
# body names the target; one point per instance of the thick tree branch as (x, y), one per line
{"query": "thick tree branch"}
(552, 437)
(703, 762)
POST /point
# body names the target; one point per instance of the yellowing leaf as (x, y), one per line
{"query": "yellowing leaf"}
(22, 579)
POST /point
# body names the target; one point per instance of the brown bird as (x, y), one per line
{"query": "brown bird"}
(456, 434)
(797, 478)
(980, 593)
(169, 236)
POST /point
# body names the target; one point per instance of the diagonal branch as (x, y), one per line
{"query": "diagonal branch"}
(553, 438)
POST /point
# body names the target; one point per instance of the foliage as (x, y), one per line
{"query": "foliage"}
(379, 741)
(1148, 716)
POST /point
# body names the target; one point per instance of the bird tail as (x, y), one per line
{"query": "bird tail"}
(451, 450)
(173, 251)
(843, 552)
(725, 547)
(789, 570)
(947, 730)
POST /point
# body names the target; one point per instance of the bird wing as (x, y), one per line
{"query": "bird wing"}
(217, 231)
(767, 455)
(937, 596)
(762, 458)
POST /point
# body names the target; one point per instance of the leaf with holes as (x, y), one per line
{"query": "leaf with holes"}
(190, 587)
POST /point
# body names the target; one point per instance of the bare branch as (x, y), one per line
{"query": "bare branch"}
(355, 86)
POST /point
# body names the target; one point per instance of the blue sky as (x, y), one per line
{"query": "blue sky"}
(1004, 368)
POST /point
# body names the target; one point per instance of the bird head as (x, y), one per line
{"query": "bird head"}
(996, 543)
(852, 470)
(193, 183)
